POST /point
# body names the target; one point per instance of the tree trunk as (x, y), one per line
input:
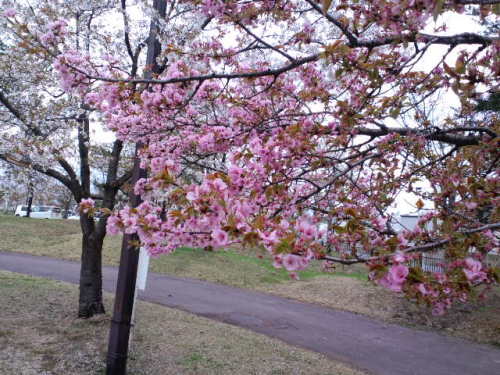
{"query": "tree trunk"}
(90, 301)
(29, 201)
(66, 207)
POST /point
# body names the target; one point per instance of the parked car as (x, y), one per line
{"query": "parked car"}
(40, 212)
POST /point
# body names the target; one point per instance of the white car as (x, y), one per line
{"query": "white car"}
(40, 212)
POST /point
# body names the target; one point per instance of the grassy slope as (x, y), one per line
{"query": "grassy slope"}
(62, 239)
(166, 341)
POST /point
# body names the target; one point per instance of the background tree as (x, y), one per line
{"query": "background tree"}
(44, 130)
(15, 183)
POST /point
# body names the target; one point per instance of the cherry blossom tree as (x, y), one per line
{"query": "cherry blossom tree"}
(15, 183)
(45, 131)
(300, 103)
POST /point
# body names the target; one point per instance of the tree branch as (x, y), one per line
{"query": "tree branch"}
(437, 135)
(261, 41)
(123, 179)
(204, 77)
(464, 38)
(83, 149)
(413, 249)
(46, 171)
(126, 30)
(477, 2)
(452, 40)
(11, 108)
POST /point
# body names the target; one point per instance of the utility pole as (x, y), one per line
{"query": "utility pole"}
(116, 363)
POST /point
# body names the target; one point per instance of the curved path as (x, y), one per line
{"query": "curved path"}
(364, 343)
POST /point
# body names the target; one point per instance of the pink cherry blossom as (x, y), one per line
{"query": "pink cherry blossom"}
(473, 270)
(278, 261)
(422, 289)
(220, 237)
(113, 225)
(293, 262)
(192, 196)
(470, 205)
(395, 278)
(9, 12)
(86, 205)
(399, 257)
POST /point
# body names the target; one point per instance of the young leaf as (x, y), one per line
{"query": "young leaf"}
(326, 5)
(437, 9)
(419, 204)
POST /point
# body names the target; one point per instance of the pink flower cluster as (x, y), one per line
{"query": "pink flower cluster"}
(291, 262)
(9, 12)
(220, 238)
(473, 270)
(56, 33)
(86, 205)
(395, 278)
(72, 79)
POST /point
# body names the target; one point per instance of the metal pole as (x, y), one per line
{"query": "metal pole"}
(116, 363)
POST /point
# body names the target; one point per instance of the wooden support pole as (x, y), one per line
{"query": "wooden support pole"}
(116, 363)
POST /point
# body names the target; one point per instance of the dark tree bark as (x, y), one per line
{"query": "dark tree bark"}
(94, 231)
(29, 201)
(90, 301)
(66, 207)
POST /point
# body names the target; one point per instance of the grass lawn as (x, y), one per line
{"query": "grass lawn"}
(345, 289)
(40, 335)
(240, 268)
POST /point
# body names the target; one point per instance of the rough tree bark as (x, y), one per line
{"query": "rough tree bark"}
(90, 300)
(29, 201)
(94, 231)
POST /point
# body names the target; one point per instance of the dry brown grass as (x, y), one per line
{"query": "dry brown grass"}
(39, 335)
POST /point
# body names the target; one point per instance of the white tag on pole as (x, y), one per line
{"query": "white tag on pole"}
(142, 269)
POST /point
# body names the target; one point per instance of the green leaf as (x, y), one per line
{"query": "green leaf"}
(326, 5)
(394, 113)
(460, 66)
(285, 245)
(437, 9)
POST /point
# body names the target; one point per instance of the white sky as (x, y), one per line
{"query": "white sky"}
(457, 23)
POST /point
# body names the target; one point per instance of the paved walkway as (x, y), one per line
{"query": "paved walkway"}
(364, 343)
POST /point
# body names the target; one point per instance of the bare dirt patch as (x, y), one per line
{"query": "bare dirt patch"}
(39, 335)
